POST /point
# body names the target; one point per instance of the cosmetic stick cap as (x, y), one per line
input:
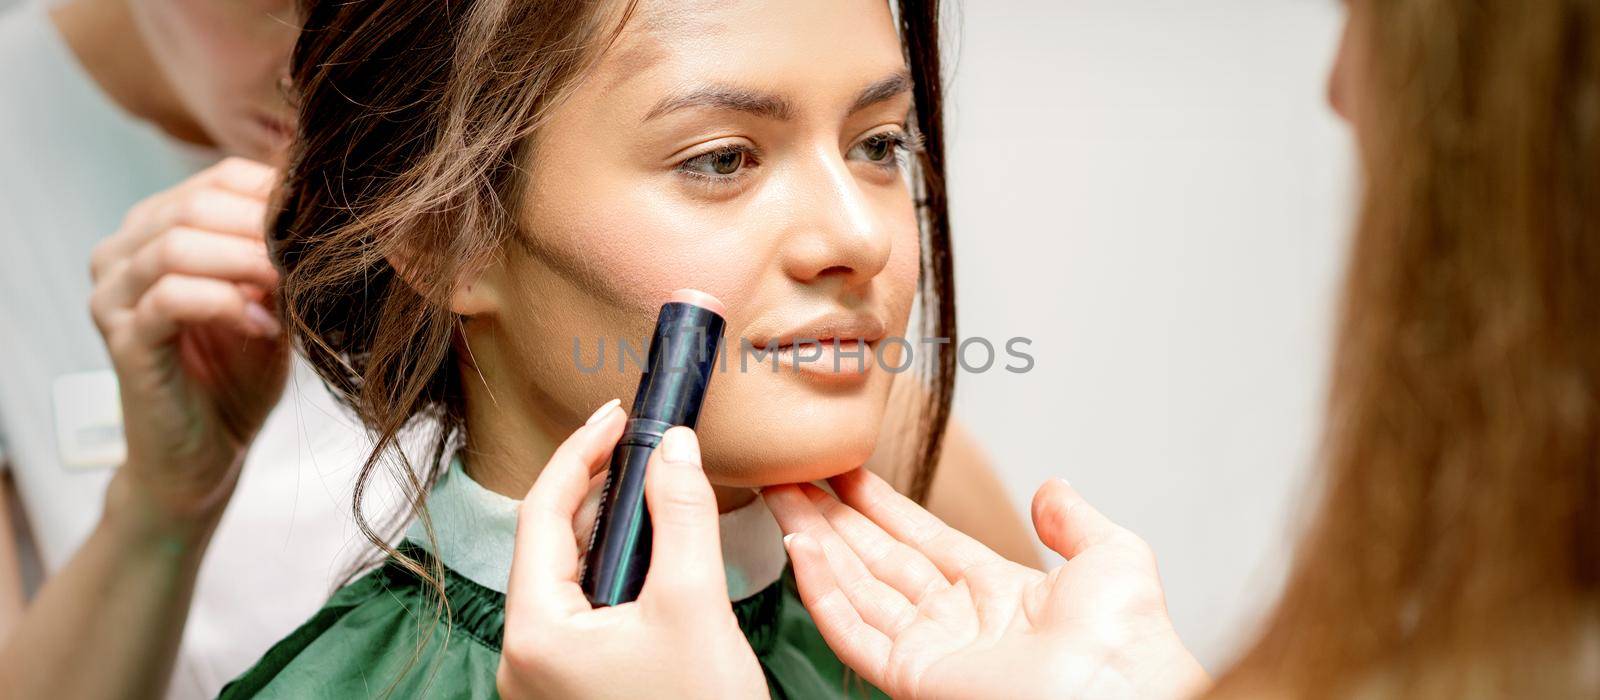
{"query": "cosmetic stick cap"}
(683, 352)
(700, 299)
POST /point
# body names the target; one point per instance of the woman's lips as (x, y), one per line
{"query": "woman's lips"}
(839, 344)
(277, 129)
(840, 325)
(830, 357)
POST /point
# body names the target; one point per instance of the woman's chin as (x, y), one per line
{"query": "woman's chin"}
(788, 460)
(774, 437)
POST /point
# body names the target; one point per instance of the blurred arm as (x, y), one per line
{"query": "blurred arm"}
(108, 624)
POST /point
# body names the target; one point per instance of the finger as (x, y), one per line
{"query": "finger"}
(878, 603)
(175, 301)
(230, 198)
(588, 512)
(196, 253)
(1066, 523)
(213, 209)
(905, 569)
(859, 645)
(686, 575)
(948, 548)
(241, 176)
(544, 566)
(207, 209)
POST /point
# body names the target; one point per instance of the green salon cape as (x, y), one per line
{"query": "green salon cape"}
(365, 642)
(357, 645)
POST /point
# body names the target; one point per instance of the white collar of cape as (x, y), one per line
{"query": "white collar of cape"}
(475, 531)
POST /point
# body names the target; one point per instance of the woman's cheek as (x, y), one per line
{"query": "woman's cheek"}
(901, 274)
(637, 256)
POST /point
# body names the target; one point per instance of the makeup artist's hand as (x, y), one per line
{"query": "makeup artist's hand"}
(678, 640)
(920, 610)
(180, 297)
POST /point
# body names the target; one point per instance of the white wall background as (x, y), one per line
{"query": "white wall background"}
(1156, 193)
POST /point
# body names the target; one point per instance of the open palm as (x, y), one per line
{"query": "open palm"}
(923, 611)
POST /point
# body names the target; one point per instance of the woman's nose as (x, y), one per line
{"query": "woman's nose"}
(837, 232)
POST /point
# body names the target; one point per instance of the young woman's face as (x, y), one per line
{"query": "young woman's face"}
(748, 149)
(226, 60)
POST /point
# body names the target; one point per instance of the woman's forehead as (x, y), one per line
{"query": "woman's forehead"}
(674, 45)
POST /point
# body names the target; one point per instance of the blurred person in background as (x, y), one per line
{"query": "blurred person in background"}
(139, 136)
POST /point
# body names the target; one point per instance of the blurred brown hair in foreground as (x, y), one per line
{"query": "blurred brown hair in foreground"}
(1455, 552)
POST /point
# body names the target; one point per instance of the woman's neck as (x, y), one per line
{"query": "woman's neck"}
(103, 37)
(512, 440)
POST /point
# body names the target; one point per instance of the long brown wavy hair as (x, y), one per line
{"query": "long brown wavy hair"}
(1456, 549)
(414, 117)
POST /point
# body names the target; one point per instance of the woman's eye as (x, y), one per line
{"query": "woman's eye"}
(721, 163)
(884, 149)
(878, 148)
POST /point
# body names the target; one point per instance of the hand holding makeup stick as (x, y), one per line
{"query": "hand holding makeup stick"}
(557, 645)
(920, 610)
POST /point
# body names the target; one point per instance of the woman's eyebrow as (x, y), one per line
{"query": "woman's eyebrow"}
(725, 97)
(885, 88)
(769, 105)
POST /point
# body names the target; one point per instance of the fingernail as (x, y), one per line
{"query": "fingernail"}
(262, 319)
(787, 538)
(602, 411)
(1063, 481)
(680, 445)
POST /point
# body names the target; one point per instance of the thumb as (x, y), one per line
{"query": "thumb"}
(686, 547)
(1066, 523)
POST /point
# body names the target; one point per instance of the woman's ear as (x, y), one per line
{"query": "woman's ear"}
(475, 297)
(477, 290)
(475, 293)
